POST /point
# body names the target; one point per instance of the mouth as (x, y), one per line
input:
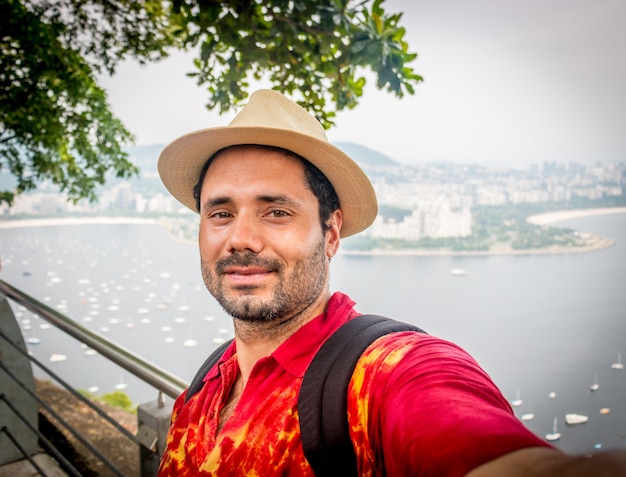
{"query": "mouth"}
(246, 276)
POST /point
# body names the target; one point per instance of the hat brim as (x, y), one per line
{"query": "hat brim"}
(181, 161)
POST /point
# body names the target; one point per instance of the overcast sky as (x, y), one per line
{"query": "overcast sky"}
(505, 82)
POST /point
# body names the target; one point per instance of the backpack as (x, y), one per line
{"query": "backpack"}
(322, 402)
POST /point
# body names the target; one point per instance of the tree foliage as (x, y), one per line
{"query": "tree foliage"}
(318, 49)
(55, 120)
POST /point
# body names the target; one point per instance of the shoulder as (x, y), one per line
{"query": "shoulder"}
(414, 391)
(405, 363)
(417, 351)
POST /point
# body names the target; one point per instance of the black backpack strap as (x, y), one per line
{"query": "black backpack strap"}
(323, 398)
(198, 380)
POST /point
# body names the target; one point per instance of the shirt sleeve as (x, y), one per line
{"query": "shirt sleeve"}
(425, 407)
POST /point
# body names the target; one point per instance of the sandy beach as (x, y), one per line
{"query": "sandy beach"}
(552, 217)
(13, 224)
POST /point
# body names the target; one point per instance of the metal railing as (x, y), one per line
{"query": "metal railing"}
(18, 398)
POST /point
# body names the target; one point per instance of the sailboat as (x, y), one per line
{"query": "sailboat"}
(121, 385)
(528, 416)
(595, 386)
(618, 364)
(189, 342)
(517, 401)
(555, 435)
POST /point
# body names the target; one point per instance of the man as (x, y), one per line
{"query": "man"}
(274, 199)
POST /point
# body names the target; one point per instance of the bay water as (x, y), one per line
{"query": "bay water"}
(544, 326)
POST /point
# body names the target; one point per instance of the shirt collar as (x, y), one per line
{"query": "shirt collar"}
(298, 351)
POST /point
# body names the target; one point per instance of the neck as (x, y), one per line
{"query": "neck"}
(258, 340)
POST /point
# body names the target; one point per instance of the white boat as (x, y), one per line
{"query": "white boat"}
(121, 385)
(56, 357)
(573, 419)
(33, 340)
(555, 435)
(458, 272)
(518, 400)
(190, 343)
(618, 364)
(595, 386)
(528, 416)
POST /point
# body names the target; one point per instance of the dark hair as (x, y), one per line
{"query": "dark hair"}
(317, 182)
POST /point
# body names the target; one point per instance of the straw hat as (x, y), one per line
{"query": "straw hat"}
(270, 119)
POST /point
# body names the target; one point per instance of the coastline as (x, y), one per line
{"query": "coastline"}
(595, 242)
(552, 217)
(51, 222)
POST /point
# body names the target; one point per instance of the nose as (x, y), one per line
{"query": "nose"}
(244, 234)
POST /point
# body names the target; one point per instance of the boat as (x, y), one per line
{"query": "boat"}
(190, 342)
(517, 401)
(595, 386)
(121, 385)
(528, 416)
(555, 435)
(458, 272)
(32, 340)
(56, 357)
(573, 419)
(618, 364)
(551, 395)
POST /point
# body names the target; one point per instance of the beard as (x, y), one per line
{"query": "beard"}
(293, 293)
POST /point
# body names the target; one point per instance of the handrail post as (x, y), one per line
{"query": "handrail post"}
(153, 422)
(19, 366)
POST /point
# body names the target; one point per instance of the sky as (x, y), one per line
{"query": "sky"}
(506, 82)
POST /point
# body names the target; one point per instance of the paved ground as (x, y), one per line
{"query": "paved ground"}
(24, 468)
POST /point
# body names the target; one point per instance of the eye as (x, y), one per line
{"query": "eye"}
(219, 215)
(278, 213)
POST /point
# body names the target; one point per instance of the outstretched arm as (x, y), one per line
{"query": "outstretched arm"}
(540, 462)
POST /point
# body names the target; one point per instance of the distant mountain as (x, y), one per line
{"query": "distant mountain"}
(145, 157)
(366, 156)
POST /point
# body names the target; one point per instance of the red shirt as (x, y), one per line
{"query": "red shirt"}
(417, 405)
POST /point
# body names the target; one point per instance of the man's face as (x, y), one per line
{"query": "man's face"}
(263, 252)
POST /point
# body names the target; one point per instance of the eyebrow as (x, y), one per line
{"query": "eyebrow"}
(279, 199)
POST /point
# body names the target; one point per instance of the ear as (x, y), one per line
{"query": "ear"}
(334, 233)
